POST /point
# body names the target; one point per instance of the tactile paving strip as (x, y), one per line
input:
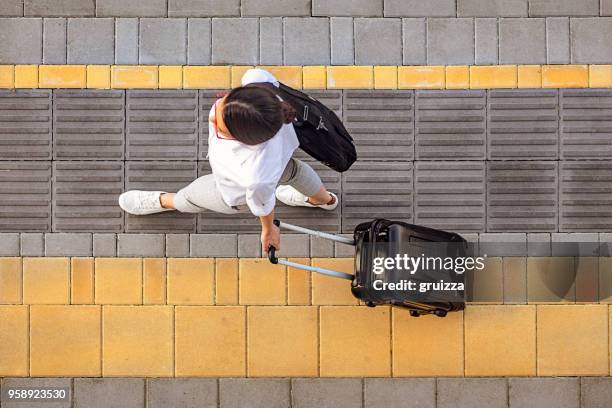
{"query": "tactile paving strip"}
(523, 124)
(25, 125)
(88, 124)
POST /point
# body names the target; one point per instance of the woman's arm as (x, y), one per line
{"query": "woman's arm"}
(270, 233)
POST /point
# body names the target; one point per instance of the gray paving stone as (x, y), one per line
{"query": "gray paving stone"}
(320, 248)
(133, 8)
(203, 8)
(249, 245)
(472, 392)
(68, 244)
(492, 8)
(162, 41)
(596, 392)
(486, 41)
(503, 244)
(369, 33)
(177, 245)
(181, 393)
(242, 34)
(295, 246)
(557, 40)
(414, 49)
(418, 8)
(344, 250)
(261, 393)
(605, 244)
(396, 392)
(543, 8)
(352, 8)
(9, 244)
(27, 32)
(109, 392)
(522, 41)
(126, 41)
(59, 8)
(32, 244)
(90, 41)
(326, 393)
(342, 41)
(301, 31)
(539, 244)
(280, 8)
(54, 41)
(221, 245)
(271, 40)
(606, 8)
(575, 244)
(104, 244)
(147, 245)
(544, 392)
(46, 383)
(588, 40)
(450, 41)
(11, 8)
(199, 48)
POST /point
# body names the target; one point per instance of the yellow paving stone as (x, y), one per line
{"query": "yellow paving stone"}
(355, 341)
(421, 77)
(350, 77)
(495, 76)
(427, 345)
(82, 281)
(138, 341)
(237, 71)
(385, 77)
(298, 283)
(7, 76)
(600, 76)
(11, 280)
(288, 75)
(283, 341)
(26, 76)
(261, 283)
(529, 76)
(327, 290)
(46, 281)
(14, 341)
(191, 281)
(206, 77)
(62, 76)
(211, 341)
(572, 340)
(457, 77)
(170, 77)
(118, 280)
(99, 76)
(65, 341)
(314, 77)
(154, 279)
(565, 76)
(134, 76)
(500, 341)
(226, 281)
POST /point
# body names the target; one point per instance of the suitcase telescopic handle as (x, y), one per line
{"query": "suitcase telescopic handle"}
(336, 274)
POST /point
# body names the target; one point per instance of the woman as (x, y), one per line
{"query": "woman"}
(250, 144)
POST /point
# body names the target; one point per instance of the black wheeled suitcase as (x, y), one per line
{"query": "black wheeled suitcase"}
(386, 253)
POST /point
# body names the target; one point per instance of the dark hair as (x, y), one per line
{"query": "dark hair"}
(254, 114)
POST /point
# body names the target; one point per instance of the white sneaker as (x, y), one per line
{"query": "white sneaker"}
(138, 202)
(292, 197)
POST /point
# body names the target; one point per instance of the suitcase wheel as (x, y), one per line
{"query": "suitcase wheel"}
(440, 312)
(415, 313)
(370, 304)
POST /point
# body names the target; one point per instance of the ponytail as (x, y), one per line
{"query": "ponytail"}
(288, 112)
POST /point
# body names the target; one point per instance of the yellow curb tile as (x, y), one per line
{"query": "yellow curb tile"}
(565, 76)
(457, 77)
(62, 76)
(500, 341)
(327, 290)
(288, 75)
(118, 280)
(226, 281)
(342, 355)
(314, 77)
(298, 283)
(495, 76)
(99, 76)
(600, 76)
(82, 281)
(170, 77)
(529, 76)
(7, 76)
(385, 77)
(551, 279)
(208, 77)
(11, 280)
(191, 281)
(211, 341)
(283, 341)
(138, 341)
(65, 341)
(26, 76)
(46, 281)
(237, 72)
(134, 77)
(261, 283)
(154, 278)
(14, 341)
(421, 77)
(572, 340)
(350, 77)
(427, 345)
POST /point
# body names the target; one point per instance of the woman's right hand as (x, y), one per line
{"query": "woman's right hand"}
(270, 237)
